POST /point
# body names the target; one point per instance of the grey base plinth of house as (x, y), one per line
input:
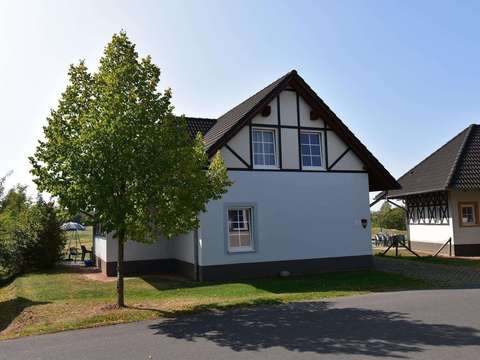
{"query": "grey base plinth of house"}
(148, 267)
(240, 271)
(467, 249)
(294, 267)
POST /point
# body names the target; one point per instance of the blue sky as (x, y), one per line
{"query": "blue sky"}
(403, 75)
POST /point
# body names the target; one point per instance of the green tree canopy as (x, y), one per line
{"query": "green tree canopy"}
(114, 148)
(389, 218)
(30, 234)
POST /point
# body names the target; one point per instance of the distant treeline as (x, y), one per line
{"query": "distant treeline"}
(389, 217)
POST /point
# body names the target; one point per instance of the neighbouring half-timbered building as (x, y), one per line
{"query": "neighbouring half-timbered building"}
(299, 200)
(441, 196)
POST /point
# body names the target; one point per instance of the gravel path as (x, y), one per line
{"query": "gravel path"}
(443, 275)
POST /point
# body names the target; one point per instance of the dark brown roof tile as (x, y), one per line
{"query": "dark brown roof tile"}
(466, 176)
(228, 120)
(454, 166)
(201, 125)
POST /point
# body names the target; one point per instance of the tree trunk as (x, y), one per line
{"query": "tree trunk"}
(120, 295)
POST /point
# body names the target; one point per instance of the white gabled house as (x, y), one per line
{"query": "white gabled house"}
(299, 200)
(441, 196)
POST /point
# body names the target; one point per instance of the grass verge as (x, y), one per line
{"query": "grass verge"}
(55, 301)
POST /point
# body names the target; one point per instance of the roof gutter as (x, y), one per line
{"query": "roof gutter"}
(401, 195)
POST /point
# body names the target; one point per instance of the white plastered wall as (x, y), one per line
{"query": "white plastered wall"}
(336, 147)
(349, 161)
(290, 156)
(180, 247)
(230, 160)
(240, 143)
(464, 234)
(297, 215)
(288, 108)
(436, 234)
(101, 247)
(430, 233)
(304, 110)
(271, 119)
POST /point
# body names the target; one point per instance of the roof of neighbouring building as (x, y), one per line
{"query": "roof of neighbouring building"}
(218, 132)
(454, 166)
(201, 125)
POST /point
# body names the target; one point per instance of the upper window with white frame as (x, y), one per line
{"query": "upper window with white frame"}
(240, 235)
(264, 148)
(311, 149)
(468, 214)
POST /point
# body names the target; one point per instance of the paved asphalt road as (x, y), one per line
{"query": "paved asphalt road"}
(437, 324)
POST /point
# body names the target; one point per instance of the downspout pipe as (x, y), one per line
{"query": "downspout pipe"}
(196, 272)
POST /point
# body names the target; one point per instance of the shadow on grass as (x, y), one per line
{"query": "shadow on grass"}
(169, 281)
(211, 307)
(317, 327)
(10, 309)
(365, 280)
(6, 280)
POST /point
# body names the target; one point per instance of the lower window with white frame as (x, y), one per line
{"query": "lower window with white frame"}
(240, 234)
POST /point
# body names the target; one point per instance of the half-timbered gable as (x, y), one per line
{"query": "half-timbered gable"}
(441, 196)
(287, 127)
(300, 142)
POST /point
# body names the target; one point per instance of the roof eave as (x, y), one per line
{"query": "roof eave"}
(385, 187)
(213, 148)
(409, 193)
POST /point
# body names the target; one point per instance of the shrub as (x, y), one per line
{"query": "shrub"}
(50, 238)
(30, 234)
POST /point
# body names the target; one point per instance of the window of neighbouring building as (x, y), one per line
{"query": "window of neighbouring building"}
(468, 214)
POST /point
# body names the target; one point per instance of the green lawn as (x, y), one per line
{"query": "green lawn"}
(84, 236)
(59, 300)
